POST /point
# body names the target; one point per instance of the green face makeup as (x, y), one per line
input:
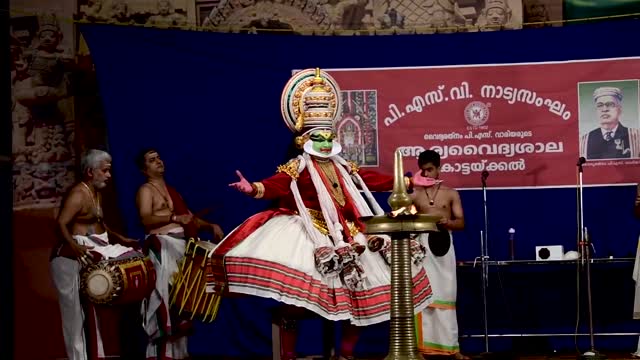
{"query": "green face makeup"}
(322, 141)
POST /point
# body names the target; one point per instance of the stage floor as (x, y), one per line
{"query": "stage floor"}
(610, 356)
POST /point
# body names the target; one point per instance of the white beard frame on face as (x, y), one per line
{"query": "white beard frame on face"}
(335, 150)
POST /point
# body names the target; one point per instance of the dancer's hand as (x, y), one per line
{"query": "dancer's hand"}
(243, 185)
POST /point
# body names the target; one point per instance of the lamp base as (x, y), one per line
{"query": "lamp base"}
(415, 356)
(592, 355)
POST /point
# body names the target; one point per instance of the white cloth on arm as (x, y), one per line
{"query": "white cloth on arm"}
(166, 265)
(65, 273)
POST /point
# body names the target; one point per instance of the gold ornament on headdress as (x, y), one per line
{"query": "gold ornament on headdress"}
(317, 86)
(300, 140)
(310, 101)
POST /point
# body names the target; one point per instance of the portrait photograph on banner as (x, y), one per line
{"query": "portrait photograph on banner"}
(609, 120)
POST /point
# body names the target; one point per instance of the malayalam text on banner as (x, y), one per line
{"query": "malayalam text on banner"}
(526, 124)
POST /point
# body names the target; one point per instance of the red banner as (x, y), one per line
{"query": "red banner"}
(526, 124)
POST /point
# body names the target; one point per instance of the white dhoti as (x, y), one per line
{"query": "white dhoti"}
(164, 340)
(437, 325)
(65, 273)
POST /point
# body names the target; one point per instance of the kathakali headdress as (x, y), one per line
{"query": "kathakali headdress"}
(310, 101)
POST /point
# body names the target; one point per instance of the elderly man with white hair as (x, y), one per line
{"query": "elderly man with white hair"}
(611, 140)
(83, 233)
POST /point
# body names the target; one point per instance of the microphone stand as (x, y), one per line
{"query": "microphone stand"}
(581, 161)
(484, 257)
(585, 258)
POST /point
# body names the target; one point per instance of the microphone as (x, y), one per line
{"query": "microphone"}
(581, 161)
(512, 249)
(485, 175)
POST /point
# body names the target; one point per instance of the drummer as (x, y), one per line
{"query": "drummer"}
(84, 238)
(168, 222)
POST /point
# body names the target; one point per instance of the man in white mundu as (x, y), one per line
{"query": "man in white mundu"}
(309, 252)
(168, 222)
(85, 238)
(437, 325)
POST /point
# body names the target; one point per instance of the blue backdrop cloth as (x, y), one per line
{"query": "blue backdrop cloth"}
(209, 103)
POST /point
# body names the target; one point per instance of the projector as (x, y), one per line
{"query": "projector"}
(547, 253)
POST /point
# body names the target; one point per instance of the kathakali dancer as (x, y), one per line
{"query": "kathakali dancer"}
(310, 251)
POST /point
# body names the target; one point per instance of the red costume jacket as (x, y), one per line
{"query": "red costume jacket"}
(278, 187)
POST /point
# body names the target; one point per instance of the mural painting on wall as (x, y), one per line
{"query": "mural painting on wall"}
(45, 52)
(42, 111)
(327, 16)
(295, 15)
(162, 13)
(357, 130)
(446, 16)
(536, 12)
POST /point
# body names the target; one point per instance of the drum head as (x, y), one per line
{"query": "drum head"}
(99, 285)
(440, 242)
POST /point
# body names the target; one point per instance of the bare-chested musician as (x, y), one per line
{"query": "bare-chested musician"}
(168, 223)
(84, 238)
(438, 324)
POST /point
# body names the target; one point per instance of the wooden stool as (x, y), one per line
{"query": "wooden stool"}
(291, 315)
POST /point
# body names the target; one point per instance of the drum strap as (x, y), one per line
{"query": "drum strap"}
(180, 208)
